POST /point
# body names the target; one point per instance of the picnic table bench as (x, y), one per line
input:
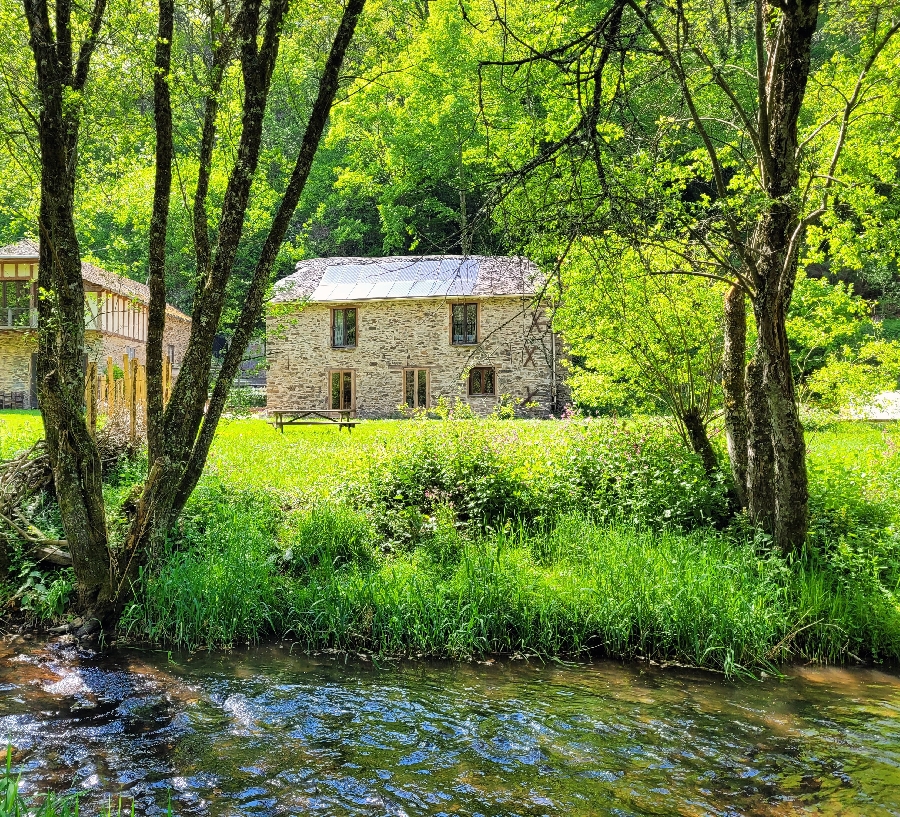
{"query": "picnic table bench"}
(342, 418)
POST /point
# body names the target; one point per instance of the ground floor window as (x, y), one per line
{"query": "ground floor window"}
(482, 380)
(415, 388)
(342, 390)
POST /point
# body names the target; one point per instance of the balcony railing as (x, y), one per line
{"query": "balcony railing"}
(18, 318)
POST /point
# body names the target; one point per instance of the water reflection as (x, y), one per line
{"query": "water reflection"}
(268, 733)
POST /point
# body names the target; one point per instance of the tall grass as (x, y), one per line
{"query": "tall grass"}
(14, 804)
(561, 539)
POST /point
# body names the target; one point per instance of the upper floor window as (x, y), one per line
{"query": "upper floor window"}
(15, 303)
(170, 353)
(464, 323)
(343, 327)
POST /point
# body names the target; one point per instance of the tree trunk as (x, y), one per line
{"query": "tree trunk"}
(699, 439)
(177, 446)
(760, 455)
(734, 388)
(779, 504)
(791, 492)
(189, 429)
(72, 452)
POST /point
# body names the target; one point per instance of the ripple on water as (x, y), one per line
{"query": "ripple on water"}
(267, 733)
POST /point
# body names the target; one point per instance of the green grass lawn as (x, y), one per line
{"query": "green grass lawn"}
(460, 538)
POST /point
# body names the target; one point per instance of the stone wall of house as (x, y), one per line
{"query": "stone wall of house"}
(101, 345)
(414, 333)
(177, 333)
(16, 349)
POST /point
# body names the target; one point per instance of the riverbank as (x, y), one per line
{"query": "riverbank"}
(458, 539)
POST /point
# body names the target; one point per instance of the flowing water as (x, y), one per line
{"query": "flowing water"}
(265, 732)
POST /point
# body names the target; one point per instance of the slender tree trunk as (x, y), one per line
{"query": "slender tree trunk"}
(159, 222)
(760, 454)
(189, 429)
(699, 439)
(734, 388)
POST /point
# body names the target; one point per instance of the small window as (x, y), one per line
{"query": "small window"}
(464, 322)
(482, 381)
(415, 388)
(170, 353)
(342, 391)
(15, 303)
(343, 327)
(131, 351)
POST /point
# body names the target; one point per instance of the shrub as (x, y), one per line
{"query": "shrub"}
(642, 476)
(486, 474)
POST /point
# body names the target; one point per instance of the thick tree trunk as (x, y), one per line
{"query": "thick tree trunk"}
(778, 501)
(72, 452)
(791, 493)
(734, 388)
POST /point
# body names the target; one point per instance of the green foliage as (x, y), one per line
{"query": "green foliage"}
(559, 545)
(216, 584)
(638, 474)
(43, 594)
(328, 535)
(241, 399)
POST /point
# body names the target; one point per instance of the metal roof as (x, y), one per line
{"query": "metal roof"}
(404, 278)
(335, 280)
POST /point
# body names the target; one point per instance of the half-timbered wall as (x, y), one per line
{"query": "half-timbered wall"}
(115, 314)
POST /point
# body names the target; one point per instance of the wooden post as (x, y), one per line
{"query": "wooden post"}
(166, 381)
(129, 390)
(142, 393)
(110, 387)
(90, 397)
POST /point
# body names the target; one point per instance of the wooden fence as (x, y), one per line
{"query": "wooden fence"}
(122, 399)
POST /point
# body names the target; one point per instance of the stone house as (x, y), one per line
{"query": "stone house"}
(374, 335)
(115, 321)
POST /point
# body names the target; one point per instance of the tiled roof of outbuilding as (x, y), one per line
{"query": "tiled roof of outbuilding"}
(433, 276)
(29, 249)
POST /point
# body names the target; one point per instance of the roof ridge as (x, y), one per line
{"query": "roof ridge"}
(388, 278)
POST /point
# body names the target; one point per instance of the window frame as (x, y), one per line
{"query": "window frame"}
(477, 305)
(472, 371)
(334, 311)
(170, 353)
(415, 370)
(341, 372)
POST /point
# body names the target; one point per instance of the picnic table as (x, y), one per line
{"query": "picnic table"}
(342, 418)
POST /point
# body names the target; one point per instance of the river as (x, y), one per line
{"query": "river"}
(267, 732)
